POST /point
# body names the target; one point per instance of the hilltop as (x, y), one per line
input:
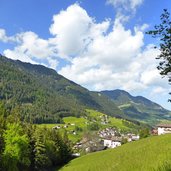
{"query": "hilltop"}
(149, 154)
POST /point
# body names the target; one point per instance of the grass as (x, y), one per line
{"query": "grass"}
(119, 123)
(150, 154)
(124, 106)
(81, 122)
(92, 116)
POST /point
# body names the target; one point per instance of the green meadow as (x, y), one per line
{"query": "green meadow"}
(80, 125)
(150, 154)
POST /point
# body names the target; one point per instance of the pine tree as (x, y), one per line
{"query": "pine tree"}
(41, 159)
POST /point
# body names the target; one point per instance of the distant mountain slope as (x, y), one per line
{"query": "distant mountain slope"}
(42, 95)
(139, 108)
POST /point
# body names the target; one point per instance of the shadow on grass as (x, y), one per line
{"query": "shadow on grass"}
(164, 167)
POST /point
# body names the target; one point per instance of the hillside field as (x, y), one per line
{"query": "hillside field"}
(150, 154)
(81, 124)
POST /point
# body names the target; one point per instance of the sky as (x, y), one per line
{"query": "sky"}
(99, 44)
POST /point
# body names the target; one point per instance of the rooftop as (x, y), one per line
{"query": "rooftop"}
(164, 125)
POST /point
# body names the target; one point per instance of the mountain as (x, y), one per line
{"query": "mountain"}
(42, 95)
(139, 108)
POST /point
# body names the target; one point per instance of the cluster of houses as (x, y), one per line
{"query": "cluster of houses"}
(111, 137)
(112, 142)
(107, 132)
(106, 138)
(88, 145)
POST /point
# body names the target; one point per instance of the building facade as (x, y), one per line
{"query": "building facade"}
(164, 129)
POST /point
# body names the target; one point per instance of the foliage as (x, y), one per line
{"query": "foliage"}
(78, 129)
(149, 154)
(27, 147)
(93, 126)
(144, 133)
(43, 96)
(138, 108)
(16, 147)
(41, 159)
(163, 33)
(124, 141)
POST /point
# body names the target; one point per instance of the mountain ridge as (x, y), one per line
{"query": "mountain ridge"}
(138, 107)
(44, 95)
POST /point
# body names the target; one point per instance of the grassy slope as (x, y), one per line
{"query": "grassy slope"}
(150, 154)
(82, 123)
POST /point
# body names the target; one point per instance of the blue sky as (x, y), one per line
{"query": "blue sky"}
(99, 44)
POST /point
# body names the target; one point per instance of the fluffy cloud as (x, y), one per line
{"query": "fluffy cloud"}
(115, 59)
(4, 38)
(159, 90)
(31, 48)
(127, 5)
(101, 56)
(71, 28)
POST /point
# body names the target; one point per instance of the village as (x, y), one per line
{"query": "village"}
(109, 137)
(106, 138)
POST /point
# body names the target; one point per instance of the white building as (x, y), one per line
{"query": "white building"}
(164, 129)
(135, 137)
(111, 143)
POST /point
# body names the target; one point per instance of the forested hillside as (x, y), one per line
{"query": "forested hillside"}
(43, 96)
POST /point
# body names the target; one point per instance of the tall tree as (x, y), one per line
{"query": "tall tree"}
(16, 150)
(163, 33)
(41, 159)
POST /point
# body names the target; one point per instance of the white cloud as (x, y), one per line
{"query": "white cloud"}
(17, 54)
(4, 38)
(102, 55)
(31, 48)
(71, 28)
(127, 5)
(159, 90)
(115, 59)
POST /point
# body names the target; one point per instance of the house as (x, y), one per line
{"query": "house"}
(131, 137)
(135, 137)
(112, 143)
(164, 129)
(154, 132)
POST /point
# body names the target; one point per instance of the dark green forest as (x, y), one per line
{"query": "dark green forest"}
(43, 96)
